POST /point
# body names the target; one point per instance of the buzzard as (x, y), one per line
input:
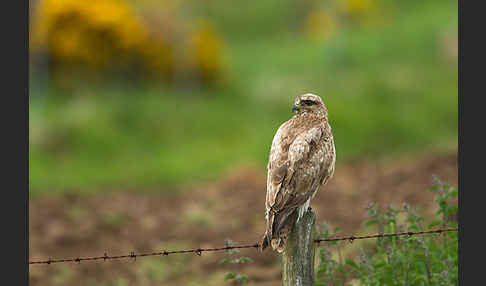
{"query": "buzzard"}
(302, 158)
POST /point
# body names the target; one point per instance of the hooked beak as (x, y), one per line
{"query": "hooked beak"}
(294, 107)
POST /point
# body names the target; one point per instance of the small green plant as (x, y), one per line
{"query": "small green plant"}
(429, 259)
(329, 271)
(240, 279)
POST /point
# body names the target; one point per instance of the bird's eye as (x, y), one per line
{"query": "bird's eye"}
(307, 102)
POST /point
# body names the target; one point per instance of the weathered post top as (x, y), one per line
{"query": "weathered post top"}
(298, 256)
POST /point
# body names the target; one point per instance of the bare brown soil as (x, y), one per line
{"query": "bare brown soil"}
(121, 222)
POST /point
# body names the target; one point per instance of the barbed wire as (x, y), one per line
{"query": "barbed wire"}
(199, 251)
(409, 233)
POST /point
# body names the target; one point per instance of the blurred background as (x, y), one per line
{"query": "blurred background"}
(151, 121)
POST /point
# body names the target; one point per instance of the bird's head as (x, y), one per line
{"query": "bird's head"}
(309, 103)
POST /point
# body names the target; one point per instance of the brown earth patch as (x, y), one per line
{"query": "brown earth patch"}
(118, 223)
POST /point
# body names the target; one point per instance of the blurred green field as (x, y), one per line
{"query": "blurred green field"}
(390, 90)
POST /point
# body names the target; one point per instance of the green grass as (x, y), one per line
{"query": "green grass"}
(388, 90)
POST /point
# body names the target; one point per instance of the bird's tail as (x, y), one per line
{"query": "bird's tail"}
(278, 229)
(267, 237)
(264, 242)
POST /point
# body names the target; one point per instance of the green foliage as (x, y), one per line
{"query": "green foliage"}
(329, 271)
(429, 259)
(240, 279)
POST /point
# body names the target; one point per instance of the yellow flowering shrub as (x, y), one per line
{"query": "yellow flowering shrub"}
(93, 32)
(108, 35)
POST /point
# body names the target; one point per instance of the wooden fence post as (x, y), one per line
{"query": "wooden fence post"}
(298, 256)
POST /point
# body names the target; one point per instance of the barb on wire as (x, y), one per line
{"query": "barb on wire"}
(199, 251)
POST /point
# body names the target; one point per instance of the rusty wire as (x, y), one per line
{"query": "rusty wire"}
(199, 251)
(409, 233)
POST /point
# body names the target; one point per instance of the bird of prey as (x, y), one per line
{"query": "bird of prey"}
(302, 158)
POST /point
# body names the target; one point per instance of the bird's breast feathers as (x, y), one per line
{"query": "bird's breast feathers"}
(299, 161)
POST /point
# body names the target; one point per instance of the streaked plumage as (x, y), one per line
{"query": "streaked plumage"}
(302, 158)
